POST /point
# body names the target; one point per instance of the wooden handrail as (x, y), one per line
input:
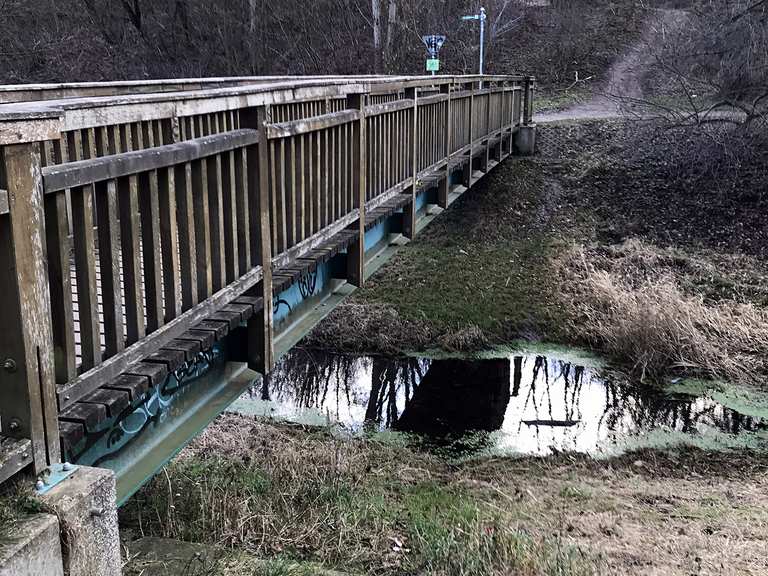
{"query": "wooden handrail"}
(62, 176)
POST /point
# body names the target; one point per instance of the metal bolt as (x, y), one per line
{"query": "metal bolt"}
(39, 485)
(67, 467)
(14, 425)
(9, 365)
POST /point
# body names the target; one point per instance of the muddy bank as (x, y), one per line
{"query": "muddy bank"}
(517, 259)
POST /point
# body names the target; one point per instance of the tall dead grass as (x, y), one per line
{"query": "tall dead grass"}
(630, 304)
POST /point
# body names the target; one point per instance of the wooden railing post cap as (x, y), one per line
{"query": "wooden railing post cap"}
(17, 131)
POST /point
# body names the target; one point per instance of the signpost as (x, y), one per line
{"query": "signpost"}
(433, 42)
(481, 17)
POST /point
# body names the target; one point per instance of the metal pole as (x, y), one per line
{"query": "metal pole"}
(482, 38)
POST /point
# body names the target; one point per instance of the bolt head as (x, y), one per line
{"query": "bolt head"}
(67, 467)
(39, 485)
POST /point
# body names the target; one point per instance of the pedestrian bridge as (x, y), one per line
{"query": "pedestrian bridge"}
(152, 231)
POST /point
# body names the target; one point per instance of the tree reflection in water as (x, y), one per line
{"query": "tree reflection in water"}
(538, 404)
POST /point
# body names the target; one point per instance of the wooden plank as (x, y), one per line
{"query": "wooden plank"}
(388, 107)
(190, 348)
(70, 434)
(134, 385)
(149, 207)
(168, 357)
(84, 172)
(111, 368)
(230, 213)
(109, 263)
(85, 258)
(89, 415)
(243, 211)
(220, 329)
(15, 455)
(217, 209)
(115, 401)
(130, 234)
(305, 125)
(169, 238)
(206, 338)
(187, 238)
(60, 279)
(202, 228)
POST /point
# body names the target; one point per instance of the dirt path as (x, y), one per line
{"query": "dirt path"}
(623, 77)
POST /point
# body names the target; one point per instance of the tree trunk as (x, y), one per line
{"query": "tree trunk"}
(376, 20)
(391, 23)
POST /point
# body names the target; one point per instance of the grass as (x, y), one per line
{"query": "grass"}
(623, 302)
(16, 502)
(478, 274)
(357, 506)
(611, 240)
(284, 500)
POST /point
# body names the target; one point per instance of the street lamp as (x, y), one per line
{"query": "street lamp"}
(481, 16)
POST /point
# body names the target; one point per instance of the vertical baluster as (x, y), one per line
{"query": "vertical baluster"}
(202, 228)
(309, 213)
(291, 183)
(187, 237)
(60, 279)
(85, 262)
(109, 264)
(274, 191)
(302, 191)
(228, 184)
(243, 223)
(169, 242)
(217, 209)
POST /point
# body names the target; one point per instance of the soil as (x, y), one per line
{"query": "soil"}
(623, 89)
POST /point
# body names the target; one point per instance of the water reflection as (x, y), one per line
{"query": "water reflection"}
(527, 404)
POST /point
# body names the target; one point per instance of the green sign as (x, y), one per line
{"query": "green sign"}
(433, 65)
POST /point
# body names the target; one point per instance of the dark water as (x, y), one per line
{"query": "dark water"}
(527, 404)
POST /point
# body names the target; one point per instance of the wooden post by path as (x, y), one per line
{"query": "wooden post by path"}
(356, 250)
(28, 406)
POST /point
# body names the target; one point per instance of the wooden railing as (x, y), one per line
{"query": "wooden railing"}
(130, 218)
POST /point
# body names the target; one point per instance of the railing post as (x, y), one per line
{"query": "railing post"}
(445, 183)
(488, 106)
(409, 210)
(467, 174)
(356, 251)
(261, 348)
(28, 406)
(499, 148)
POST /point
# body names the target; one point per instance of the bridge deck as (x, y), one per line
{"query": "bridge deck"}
(144, 222)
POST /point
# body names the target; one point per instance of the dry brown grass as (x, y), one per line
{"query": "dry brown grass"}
(292, 494)
(362, 506)
(629, 302)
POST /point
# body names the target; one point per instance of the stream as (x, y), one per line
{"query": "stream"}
(505, 403)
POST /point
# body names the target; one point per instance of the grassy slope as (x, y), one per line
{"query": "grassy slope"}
(581, 246)
(377, 506)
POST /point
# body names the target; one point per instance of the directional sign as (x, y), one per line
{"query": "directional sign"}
(433, 42)
(433, 65)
